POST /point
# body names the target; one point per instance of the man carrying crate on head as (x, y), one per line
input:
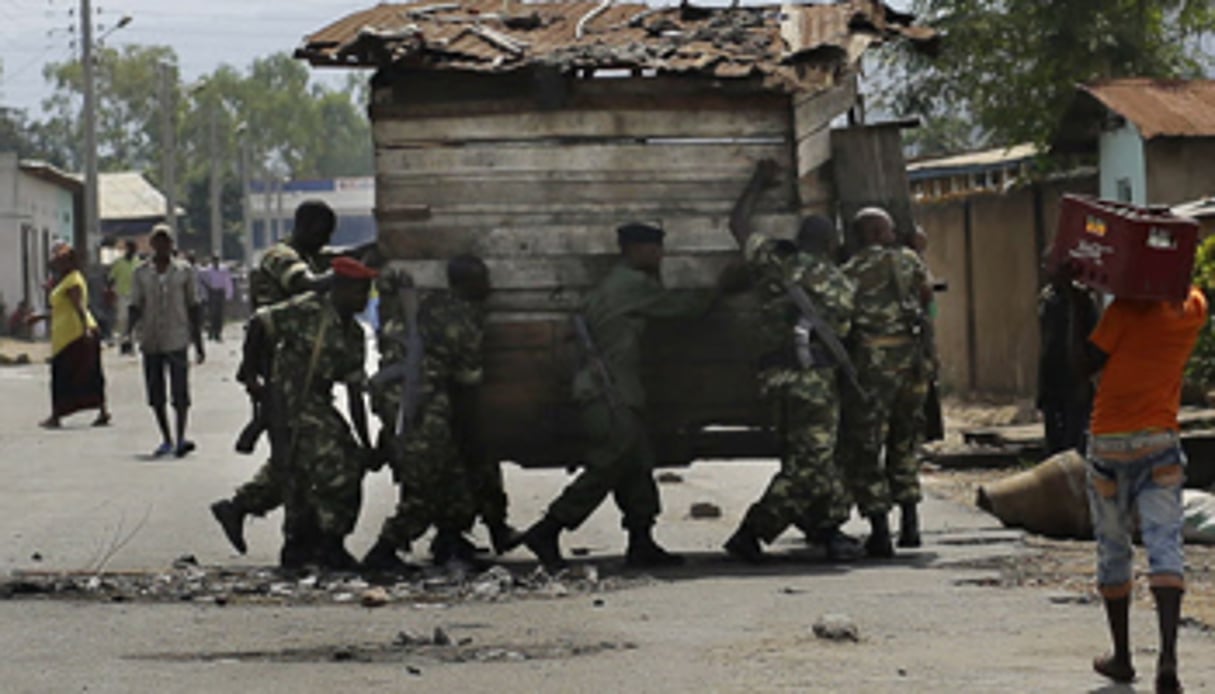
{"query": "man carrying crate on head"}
(1135, 460)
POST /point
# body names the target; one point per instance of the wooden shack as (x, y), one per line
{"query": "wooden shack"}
(526, 132)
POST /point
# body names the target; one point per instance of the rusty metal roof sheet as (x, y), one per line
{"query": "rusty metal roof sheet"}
(502, 35)
(1161, 108)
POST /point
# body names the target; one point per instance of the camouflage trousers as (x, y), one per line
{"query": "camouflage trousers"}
(324, 486)
(620, 462)
(264, 492)
(891, 421)
(808, 490)
(435, 482)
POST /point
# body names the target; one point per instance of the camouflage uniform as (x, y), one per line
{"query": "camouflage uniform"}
(809, 489)
(620, 458)
(435, 476)
(888, 354)
(314, 349)
(270, 283)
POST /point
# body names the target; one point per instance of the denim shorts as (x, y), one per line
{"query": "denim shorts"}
(1152, 485)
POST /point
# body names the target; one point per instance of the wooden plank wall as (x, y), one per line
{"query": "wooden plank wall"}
(535, 179)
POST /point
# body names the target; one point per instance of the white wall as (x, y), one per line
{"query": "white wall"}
(1122, 159)
(37, 211)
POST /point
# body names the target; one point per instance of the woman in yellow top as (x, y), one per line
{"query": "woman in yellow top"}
(77, 382)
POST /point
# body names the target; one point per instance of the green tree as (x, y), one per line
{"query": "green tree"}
(1010, 67)
(129, 121)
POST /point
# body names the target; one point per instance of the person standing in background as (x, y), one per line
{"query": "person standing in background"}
(122, 274)
(217, 282)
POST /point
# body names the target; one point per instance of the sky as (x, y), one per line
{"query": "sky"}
(205, 34)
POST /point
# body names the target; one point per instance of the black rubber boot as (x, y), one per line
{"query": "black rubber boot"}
(296, 554)
(879, 546)
(333, 555)
(743, 545)
(503, 537)
(543, 541)
(909, 526)
(840, 546)
(383, 558)
(645, 553)
(231, 518)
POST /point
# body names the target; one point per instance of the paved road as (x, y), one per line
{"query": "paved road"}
(71, 496)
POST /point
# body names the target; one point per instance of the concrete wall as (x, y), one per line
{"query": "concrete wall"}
(33, 215)
(1122, 158)
(1180, 169)
(988, 247)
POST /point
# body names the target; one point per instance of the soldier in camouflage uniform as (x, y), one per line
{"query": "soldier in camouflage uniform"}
(316, 342)
(286, 269)
(620, 459)
(435, 472)
(808, 491)
(891, 295)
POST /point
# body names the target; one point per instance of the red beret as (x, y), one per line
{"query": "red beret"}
(350, 268)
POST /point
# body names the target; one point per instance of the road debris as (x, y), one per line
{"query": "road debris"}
(670, 478)
(375, 597)
(432, 588)
(837, 627)
(704, 510)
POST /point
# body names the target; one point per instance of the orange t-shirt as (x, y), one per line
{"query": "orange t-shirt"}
(1148, 343)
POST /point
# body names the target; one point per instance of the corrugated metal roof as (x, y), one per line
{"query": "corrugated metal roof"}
(988, 158)
(128, 195)
(1161, 108)
(502, 35)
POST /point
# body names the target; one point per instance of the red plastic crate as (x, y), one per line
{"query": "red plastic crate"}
(1128, 251)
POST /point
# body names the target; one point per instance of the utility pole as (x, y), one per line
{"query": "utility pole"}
(92, 224)
(246, 201)
(217, 233)
(280, 223)
(168, 144)
(269, 225)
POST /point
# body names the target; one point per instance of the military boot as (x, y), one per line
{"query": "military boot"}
(383, 558)
(543, 541)
(840, 546)
(296, 554)
(503, 537)
(879, 545)
(231, 518)
(909, 526)
(744, 546)
(645, 553)
(333, 555)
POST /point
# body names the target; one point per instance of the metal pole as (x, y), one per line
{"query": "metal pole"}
(92, 226)
(268, 225)
(217, 233)
(246, 196)
(168, 145)
(280, 222)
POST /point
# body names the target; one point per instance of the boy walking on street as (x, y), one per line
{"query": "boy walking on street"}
(1135, 462)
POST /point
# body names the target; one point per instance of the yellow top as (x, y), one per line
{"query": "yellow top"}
(65, 322)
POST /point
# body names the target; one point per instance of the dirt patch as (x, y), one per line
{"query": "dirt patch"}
(404, 649)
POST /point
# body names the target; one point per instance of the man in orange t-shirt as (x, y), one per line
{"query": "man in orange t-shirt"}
(1136, 462)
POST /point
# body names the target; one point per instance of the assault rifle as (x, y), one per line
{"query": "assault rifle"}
(826, 335)
(409, 370)
(591, 353)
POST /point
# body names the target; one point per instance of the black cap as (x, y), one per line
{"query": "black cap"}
(637, 232)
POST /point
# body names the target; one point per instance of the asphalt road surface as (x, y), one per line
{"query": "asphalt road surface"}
(81, 498)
